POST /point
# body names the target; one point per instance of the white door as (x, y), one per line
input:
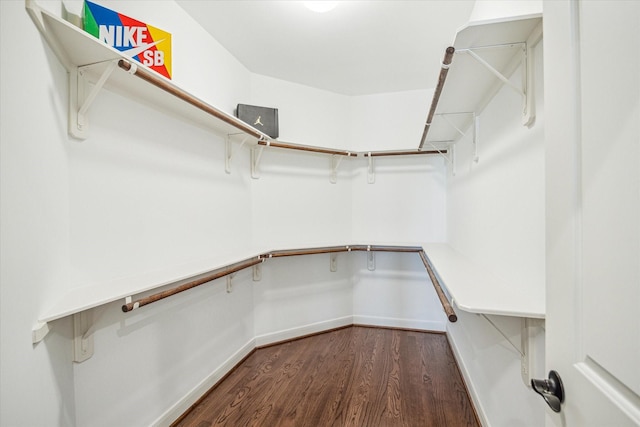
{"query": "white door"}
(592, 133)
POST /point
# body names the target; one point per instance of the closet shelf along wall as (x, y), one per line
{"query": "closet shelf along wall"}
(482, 59)
(93, 66)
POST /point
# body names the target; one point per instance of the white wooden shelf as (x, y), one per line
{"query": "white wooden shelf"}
(86, 58)
(93, 65)
(471, 288)
(476, 290)
(470, 85)
(89, 296)
(82, 298)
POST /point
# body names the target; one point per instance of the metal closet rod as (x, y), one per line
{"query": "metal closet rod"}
(188, 98)
(215, 274)
(448, 57)
(348, 248)
(300, 147)
(262, 138)
(250, 262)
(292, 146)
(402, 153)
(451, 315)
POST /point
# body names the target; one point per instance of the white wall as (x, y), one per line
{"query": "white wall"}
(34, 224)
(405, 205)
(495, 217)
(147, 191)
(307, 115)
(388, 121)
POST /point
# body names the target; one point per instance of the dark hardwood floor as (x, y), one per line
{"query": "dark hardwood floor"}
(356, 376)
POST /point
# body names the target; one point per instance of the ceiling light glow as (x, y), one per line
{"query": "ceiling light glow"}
(321, 6)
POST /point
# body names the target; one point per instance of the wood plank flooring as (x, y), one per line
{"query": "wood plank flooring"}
(356, 376)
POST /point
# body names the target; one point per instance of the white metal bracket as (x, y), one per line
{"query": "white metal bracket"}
(445, 117)
(529, 112)
(515, 347)
(230, 283)
(529, 330)
(257, 272)
(333, 262)
(228, 151)
(336, 159)
(451, 158)
(256, 156)
(495, 72)
(83, 328)
(526, 58)
(81, 98)
(39, 331)
(371, 259)
(371, 176)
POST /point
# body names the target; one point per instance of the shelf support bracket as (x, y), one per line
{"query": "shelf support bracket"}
(450, 123)
(230, 283)
(451, 158)
(228, 150)
(80, 101)
(371, 176)
(530, 329)
(371, 259)
(528, 81)
(257, 272)
(335, 163)
(497, 73)
(256, 156)
(82, 337)
(333, 262)
(527, 88)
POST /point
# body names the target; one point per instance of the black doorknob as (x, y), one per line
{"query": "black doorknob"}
(550, 389)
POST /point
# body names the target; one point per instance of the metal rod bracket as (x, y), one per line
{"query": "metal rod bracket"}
(333, 262)
(257, 272)
(256, 156)
(371, 176)
(371, 259)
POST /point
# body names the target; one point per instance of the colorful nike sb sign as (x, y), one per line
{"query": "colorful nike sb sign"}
(148, 45)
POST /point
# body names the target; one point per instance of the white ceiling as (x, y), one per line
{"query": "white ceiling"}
(360, 47)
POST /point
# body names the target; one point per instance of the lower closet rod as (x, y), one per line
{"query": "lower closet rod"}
(451, 315)
(225, 271)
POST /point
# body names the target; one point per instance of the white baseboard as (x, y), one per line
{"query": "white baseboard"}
(468, 381)
(312, 328)
(198, 391)
(392, 322)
